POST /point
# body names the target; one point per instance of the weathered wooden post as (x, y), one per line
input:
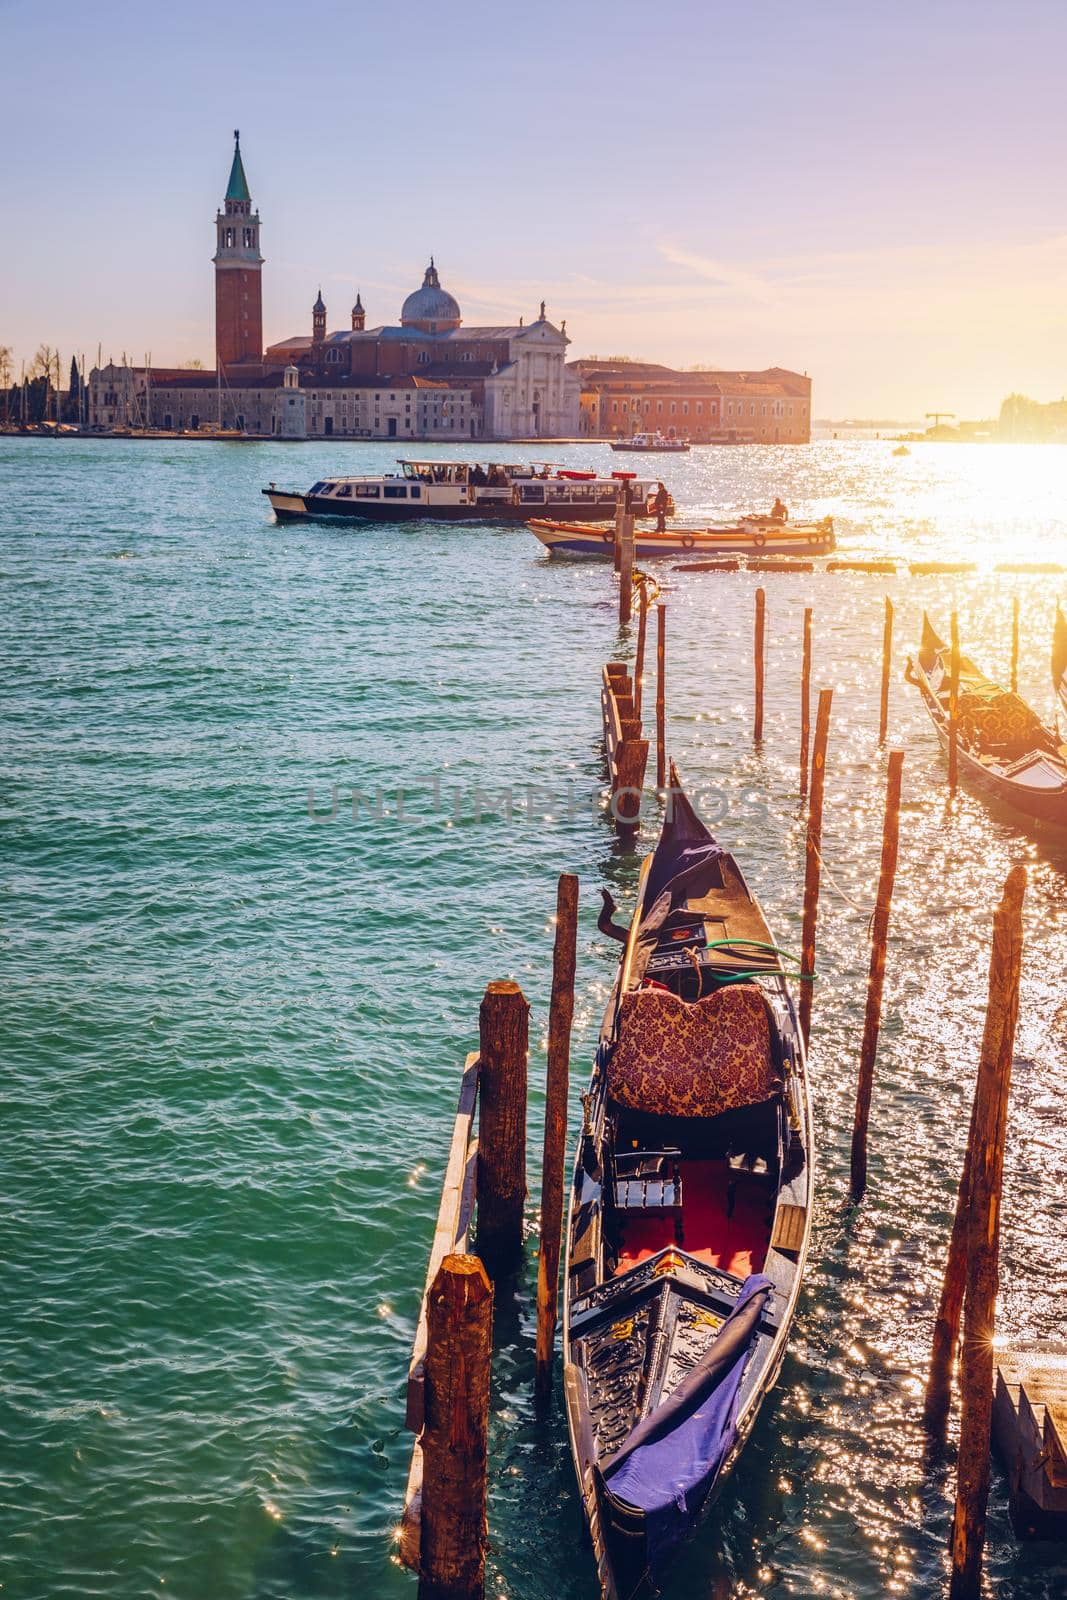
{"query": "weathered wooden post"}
(953, 705)
(983, 1242)
(620, 512)
(887, 657)
(626, 568)
(504, 1029)
(1015, 645)
(639, 663)
(950, 1307)
(758, 660)
(560, 1018)
(949, 1312)
(454, 1439)
(805, 704)
(630, 761)
(661, 703)
(813, 861)
(876, 974)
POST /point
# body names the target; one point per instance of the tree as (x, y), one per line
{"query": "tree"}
(194, 364)
(73, 409)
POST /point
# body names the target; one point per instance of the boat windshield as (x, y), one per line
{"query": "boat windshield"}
(435, 471)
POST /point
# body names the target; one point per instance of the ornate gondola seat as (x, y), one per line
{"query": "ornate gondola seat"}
(694, 1060)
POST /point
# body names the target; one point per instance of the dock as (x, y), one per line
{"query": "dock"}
(1030, 1433)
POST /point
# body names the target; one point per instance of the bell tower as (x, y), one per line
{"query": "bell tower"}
(238, 273)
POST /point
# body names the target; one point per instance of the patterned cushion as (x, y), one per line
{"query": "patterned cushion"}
(693, 1060)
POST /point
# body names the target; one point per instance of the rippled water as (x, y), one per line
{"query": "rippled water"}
(233, 1034)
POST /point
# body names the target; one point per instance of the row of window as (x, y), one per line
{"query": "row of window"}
(778, 407)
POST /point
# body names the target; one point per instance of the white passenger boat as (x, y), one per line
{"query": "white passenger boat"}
(468, 491)
(652, 443)
(750, 536)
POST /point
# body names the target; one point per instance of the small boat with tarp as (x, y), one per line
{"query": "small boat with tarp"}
(690, 1210)
(752, 535)
(1059, 656)
(1003, 747)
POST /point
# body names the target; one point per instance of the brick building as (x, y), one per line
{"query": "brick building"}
(619, 398)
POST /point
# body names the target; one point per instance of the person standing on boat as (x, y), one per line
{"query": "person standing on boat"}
(659, 505)
(779, 510)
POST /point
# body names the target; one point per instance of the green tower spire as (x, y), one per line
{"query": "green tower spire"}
(237, 188)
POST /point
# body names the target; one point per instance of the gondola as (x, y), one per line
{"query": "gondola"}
(1003, 747)
(690, 1209)
(1059, 656)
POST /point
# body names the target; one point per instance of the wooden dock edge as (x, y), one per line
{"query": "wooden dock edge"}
(451, 1237)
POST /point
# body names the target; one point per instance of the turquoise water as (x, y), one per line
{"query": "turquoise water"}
(233, 1034)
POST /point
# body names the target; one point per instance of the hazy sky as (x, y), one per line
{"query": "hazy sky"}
(873, 193)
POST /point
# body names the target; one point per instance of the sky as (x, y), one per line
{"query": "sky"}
(870, 193)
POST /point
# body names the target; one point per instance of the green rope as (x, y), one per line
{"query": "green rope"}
(752, 944)
(761, 972)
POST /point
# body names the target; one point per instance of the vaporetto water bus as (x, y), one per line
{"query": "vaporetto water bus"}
(469, 491)
(652, 443)
(751, 536)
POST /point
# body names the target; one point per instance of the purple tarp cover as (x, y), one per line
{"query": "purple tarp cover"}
(671, 1460)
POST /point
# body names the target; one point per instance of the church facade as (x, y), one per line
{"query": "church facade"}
(500, 382)
(425, 377)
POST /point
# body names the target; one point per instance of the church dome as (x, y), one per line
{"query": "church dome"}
(430, 307)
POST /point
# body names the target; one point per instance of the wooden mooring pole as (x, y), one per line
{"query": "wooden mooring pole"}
(504, 1030)
(887, 657)
(661, 703)
(983, 1242)
(950, 1308)
(560, 1018)
(805, 704)
(639, 663)
(872, 1018)
(758, 652)
(626, 568)
(953, 705)
(1015, 645)
(454, 1439)
(813, 860)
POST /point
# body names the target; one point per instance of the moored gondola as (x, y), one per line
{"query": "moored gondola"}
(1059, 656)
(1003, 747)
(691, 1207)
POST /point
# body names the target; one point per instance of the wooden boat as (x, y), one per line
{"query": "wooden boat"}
(690, 1210)
(1004, 748)
(754, 535)
(1059, 656)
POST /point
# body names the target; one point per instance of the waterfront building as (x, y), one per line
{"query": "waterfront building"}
(426, 376)
(620, 398)
(501, 382)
